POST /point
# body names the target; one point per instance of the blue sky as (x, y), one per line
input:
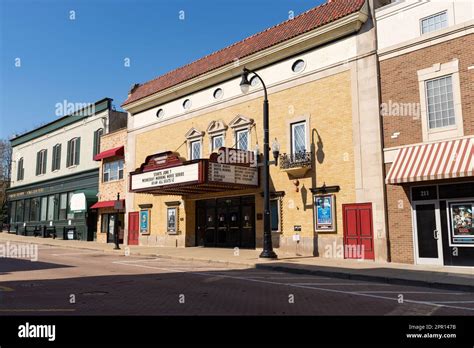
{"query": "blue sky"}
(82, 60)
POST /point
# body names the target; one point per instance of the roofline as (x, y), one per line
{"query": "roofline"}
(343, 27)
(127, 103)
(16, 139)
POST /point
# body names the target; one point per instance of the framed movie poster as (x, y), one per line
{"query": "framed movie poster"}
(145, 221)
(172, 220)
(461, 224)
(324, 213)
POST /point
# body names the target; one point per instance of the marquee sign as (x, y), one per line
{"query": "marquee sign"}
(167, 173)
(168, 176)
(233, 174)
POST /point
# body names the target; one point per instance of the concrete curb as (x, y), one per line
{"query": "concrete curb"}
(368, 277)
(287, 269)
(334, 274)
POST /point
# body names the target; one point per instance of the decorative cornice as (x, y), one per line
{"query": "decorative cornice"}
(327, 33)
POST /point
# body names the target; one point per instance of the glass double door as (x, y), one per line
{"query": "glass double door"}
(428, 241)
(226, 222)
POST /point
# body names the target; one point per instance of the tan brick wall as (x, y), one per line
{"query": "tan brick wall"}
(399, 83)
(108, 190)
(327, 102)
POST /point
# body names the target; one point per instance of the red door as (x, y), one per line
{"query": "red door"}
(358, 231)
(133, 228)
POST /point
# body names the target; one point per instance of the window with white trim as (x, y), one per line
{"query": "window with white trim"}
(112, 171)
(20, 172)
(73, 152)
(440, 103)
(41, 162)
(56, 160)
(298, 137)
(195, 149)
(242, 139)
(434, 22)
(217, 142)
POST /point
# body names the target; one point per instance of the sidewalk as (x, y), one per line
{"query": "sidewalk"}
(451, 278)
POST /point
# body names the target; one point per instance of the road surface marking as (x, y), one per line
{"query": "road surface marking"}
(302, 287)
(453, 301)
(5, 288)
(360, 284)
(83, 253)
(413, 292)
(37, 310)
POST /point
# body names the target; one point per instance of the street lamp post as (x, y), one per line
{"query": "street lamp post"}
(267, 252)
(116, 231)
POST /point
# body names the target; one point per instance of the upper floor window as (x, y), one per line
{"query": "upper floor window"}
(187, 104)
(298, 137)
(113, 171)
(298, 66)
(434, 22)
(20, 173)
(56, 161)
(440, 103)
(242, 139)
(160, 113)
(218, 93)
(73, 152)
(217, 142)
(41, 157)
(254, 81)
(195, 149)
(97, 134)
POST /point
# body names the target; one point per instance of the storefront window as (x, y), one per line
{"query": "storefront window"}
(51, 207)
(27, 210)
(34, 209)
(63, 206)
(104, 223)
(44, 206)
(19, 211)
(12, 211)
(70, 215)
(462, 227)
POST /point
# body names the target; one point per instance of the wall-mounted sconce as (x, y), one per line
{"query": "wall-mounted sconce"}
(296, 183)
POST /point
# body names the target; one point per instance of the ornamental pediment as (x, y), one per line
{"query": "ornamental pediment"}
(241, 121)
(216, 127)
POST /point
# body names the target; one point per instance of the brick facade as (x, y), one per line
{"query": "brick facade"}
(108, 190)
(399, 84)
(331, 137)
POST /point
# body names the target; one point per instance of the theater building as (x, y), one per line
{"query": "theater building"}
(427, 75)
(194, 140)
(54, 176)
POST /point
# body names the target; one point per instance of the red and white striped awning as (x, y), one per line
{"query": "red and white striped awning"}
(440, 160)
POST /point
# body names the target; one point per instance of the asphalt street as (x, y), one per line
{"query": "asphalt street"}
(66, 281)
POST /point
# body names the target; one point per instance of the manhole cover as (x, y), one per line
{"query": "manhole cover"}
(94, 293)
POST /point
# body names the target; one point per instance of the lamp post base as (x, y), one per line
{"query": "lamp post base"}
(268, 254)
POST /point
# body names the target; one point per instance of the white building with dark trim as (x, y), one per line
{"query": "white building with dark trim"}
(54, 175)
